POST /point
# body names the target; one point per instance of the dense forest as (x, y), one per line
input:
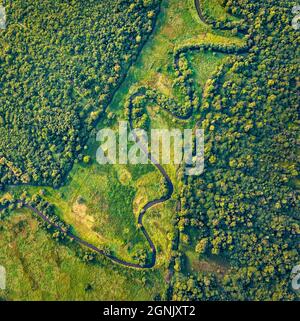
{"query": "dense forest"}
(245, 207)
(60, 63)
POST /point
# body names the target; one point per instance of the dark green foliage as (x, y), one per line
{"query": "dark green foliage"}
(226, 24)
(205, 287)
(52, 223)
(60, 63)
(245, 204)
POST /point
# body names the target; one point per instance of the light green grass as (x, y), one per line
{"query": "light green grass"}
(204, 64)
(40, 269)
(214, 9)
